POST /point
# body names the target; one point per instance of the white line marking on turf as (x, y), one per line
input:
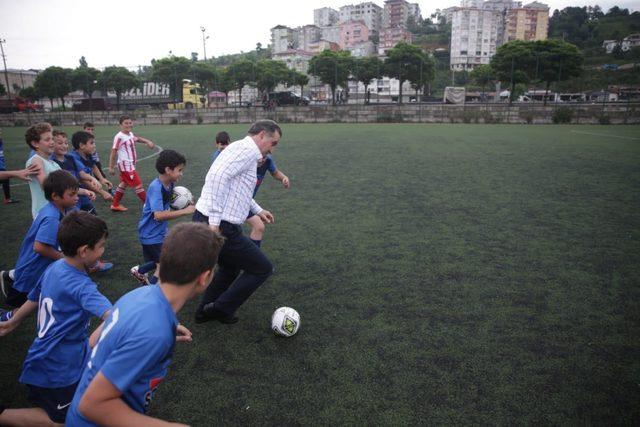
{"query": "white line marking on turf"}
(602, 134)
(139, 160)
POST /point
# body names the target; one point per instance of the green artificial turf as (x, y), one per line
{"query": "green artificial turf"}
(444, 274)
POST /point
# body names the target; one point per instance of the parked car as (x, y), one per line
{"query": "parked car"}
(288, 98)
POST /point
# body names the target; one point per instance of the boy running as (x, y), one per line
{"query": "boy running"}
(124, 149)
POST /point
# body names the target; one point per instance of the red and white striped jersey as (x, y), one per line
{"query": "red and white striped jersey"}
(126, 150)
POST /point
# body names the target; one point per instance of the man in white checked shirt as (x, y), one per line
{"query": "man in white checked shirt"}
(225, 202)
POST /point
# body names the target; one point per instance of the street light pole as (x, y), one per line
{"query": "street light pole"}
(4, 60)
(204, 42)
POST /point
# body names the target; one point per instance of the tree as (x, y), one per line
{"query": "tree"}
(269, 73)
(85, 78)
(224, 83)
(406, 62)
(366, 69)
(333, 68)
(30, 93)
(513, 63)
(205, 74)
(242, 72)
(298, 79)
(119, 80)
(482, 75)
(171, 70)
(556, 61)
(54, 82)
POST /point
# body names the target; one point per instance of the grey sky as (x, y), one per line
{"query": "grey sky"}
(40, 33)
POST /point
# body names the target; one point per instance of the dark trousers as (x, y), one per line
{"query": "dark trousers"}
(242, 268)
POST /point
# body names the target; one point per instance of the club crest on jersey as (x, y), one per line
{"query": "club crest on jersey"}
(153, 386)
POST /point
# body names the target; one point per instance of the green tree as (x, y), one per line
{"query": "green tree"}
(225, 83)
(513, 63)
(171, 70)
(298, 79)
(85, 78)
(54, 82)
(482, 75)
(556, 61)
(333, 68)
(269, 73)
(366, 69)
(30, 93)
(406, 62)
(119, 80)
(242, 72)
(205, 74)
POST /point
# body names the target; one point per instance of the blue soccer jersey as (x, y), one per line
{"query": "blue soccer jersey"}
(134, 350)
(268, 165)
(158, 199)
(215, 155)
(73, 165)
(67, 298)
(30, 264)
(2, 165)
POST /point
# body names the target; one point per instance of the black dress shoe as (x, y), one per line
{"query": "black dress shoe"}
(208, 312)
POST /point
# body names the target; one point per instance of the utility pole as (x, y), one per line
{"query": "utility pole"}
(204, 42)
(4, 60)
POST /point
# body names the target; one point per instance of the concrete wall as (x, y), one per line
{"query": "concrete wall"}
(614, 113)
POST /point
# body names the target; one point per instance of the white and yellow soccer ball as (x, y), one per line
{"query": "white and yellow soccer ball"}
(180, 198)
(285, 321)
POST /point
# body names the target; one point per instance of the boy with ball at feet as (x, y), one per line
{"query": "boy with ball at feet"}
(156, 213)
(136, 342)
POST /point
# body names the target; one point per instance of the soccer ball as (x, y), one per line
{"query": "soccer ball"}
(285, 321)
(180, 198)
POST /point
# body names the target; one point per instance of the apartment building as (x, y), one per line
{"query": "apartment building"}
(282, 38)
(325, 17)
(529, 22)
(353, 32)
(368, 12)
(306, 36)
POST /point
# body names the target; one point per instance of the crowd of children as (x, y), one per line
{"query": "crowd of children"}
(110, 375)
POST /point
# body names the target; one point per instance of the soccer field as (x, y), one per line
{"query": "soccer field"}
(444, 274)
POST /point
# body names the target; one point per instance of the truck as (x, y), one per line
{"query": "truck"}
(148, 95)
(18, 105)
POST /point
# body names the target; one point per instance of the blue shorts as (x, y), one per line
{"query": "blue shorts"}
(54, 401)
(152, 252)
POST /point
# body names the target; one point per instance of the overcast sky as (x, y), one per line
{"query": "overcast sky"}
(40, 33)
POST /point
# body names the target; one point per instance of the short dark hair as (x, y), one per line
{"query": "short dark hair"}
(34, 132)
(169, 159)
(223, 138)
(57, 182)
(265, 125)
(123, 118)
(80, 228)
(87, 125)
(189, 249)
(80, 137)
(57, 132)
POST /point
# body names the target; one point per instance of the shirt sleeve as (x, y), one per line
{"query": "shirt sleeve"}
(34, 294)
(134, 356)
(272, 165)
(91, 299)
(154, 197)
(80, 167)
(116, 142)
(48, 232)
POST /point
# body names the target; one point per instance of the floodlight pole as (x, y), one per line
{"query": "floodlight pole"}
(204, 42)
(4, 60)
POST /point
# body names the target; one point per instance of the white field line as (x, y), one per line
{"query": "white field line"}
(159, 149)
(605, 135)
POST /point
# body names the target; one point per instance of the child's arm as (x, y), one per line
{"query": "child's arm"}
(23, 174)
(112, 160)
(41, 176)
(284, 179)
(47, 251)
(90, 194)
(25, 309)
(146, 141)
(101, 178)
(167, 215)
(102, 404)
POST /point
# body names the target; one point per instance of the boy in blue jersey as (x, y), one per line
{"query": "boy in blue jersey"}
(66, 299)
(222, 141)
(156, 213)
(40, 245)
(136, 341)
(83, 145)
(265, 164)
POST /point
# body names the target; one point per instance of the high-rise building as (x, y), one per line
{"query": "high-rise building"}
(529, 22)
(325, 17)
(306, 36)
(353, 32)
(282, 38)
(368, 12)
(394, 23)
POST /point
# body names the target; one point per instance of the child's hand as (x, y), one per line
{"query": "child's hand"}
(111, 171)
(105, 195)
(183, 334)
(7, 327)
(107, 183)
(151, 145)
(285, 182)
(189, 210)
(91, 195)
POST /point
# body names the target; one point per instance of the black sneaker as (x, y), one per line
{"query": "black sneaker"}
(5, 282)
(209, 312)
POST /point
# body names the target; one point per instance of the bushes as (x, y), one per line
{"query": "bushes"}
(562, 115)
